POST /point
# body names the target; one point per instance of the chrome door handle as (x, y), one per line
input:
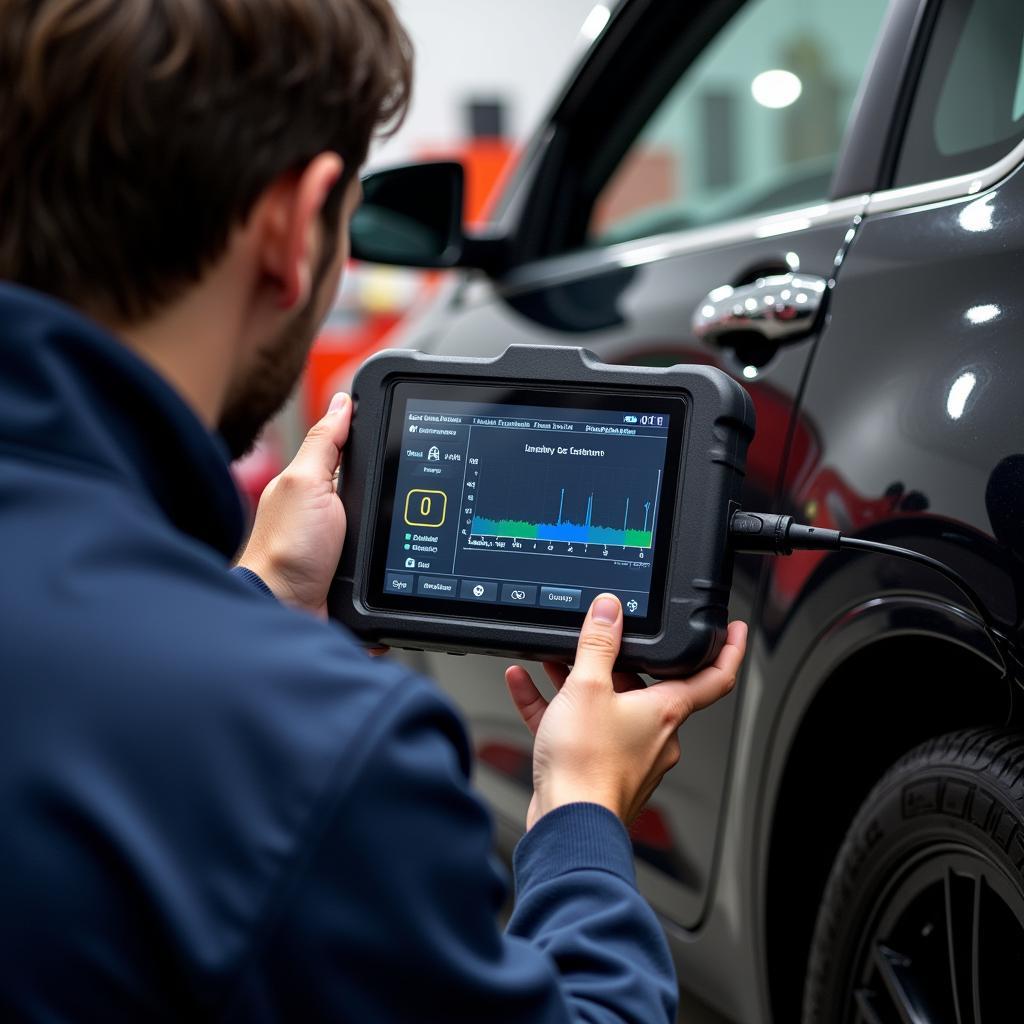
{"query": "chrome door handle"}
(777, 309)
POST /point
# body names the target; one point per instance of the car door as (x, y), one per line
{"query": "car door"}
(684, 178)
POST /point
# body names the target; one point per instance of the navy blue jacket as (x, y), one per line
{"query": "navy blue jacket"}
(214, 807)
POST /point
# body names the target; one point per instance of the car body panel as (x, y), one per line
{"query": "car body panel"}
(899, 421)
(914, 402)
(640, 314)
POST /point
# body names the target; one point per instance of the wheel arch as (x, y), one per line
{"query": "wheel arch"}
(885, 677)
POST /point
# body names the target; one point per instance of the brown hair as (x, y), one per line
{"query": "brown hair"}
(135, 134)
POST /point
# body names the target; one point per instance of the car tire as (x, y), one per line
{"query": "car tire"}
(923, 913)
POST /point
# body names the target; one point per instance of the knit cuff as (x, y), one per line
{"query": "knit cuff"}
(574, 837)
(248, 576)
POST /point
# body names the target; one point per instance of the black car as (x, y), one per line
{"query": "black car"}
(823, 198)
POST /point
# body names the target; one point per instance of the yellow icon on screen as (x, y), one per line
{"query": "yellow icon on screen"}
(425, 508)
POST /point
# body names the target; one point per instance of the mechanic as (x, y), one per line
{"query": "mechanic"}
(214, 803)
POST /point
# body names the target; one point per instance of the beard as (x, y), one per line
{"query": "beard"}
(275, 371)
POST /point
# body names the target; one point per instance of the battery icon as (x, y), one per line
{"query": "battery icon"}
(629, 419)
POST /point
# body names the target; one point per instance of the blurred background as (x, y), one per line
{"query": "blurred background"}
(485, 73)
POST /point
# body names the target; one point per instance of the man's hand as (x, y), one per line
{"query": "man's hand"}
(299, 530)
(605, 737)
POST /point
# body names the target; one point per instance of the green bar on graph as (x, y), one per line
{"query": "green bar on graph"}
(638, 538)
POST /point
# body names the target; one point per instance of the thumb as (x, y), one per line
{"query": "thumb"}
(320, 452)
(599, 641)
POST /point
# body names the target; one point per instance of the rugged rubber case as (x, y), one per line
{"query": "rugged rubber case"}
(718, 431)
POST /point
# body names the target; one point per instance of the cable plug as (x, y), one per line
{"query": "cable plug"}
(760, 533)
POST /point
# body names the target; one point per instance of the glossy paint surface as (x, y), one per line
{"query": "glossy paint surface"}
(911, 431)
(641, 315)
(900, 420)
(915, 427)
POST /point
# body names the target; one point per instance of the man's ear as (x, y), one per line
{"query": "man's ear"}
(291, 237)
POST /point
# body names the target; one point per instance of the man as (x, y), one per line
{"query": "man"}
(215, 805)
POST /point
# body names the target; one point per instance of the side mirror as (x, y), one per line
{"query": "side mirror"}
(412, 216)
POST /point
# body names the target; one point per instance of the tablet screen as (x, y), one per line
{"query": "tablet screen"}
(525, 505)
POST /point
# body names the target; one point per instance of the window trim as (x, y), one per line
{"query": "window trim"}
(561, 268)
(522, 212)
(637, 34)
(566, 267)
(867, 155)
(958, 187)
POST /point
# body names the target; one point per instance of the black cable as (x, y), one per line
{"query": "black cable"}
(933, 563)
(759, 533)
(996, 638)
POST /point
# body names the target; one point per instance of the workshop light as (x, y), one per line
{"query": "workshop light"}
(776, 88)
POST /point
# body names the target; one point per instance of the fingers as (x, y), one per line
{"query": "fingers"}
(714, 682)
(528, 700)
(321, 450)
(557, 673)
(599, 641)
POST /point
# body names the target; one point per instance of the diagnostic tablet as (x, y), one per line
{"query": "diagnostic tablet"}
(490, 502)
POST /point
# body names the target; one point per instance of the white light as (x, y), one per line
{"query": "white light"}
(801, 297)
(786, 293)
(595, 23)
(707, 311)
(722, 292)
(959, 393)
(982, 314)
(750, 372)
(751, 304)
(977, 216)
(776, 88)
(787, 225)
(793, 261)
(769, 300)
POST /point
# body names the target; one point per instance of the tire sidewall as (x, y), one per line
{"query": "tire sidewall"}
(918, 808)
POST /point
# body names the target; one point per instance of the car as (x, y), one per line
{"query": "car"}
(825, 200)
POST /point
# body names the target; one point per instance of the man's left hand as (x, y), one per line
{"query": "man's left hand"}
(300, 522)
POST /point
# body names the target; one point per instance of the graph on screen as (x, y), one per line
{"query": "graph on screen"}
(639, 535)
(606, 506)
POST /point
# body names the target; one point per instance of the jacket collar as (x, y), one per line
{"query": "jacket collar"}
(70, 393)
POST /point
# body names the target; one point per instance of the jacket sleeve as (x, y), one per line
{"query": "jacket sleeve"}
(240, 572)
(392, 916)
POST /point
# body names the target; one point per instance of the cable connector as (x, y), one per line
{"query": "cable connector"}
(760, 533)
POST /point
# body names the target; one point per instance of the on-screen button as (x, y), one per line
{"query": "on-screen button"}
(436, 586)
(397, 583)
(472, 590)
(518, 593)
(560, 597)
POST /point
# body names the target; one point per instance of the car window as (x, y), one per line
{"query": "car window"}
(753, 125)
(968, 110)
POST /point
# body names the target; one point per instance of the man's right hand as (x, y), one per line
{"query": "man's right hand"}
(605, 737)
